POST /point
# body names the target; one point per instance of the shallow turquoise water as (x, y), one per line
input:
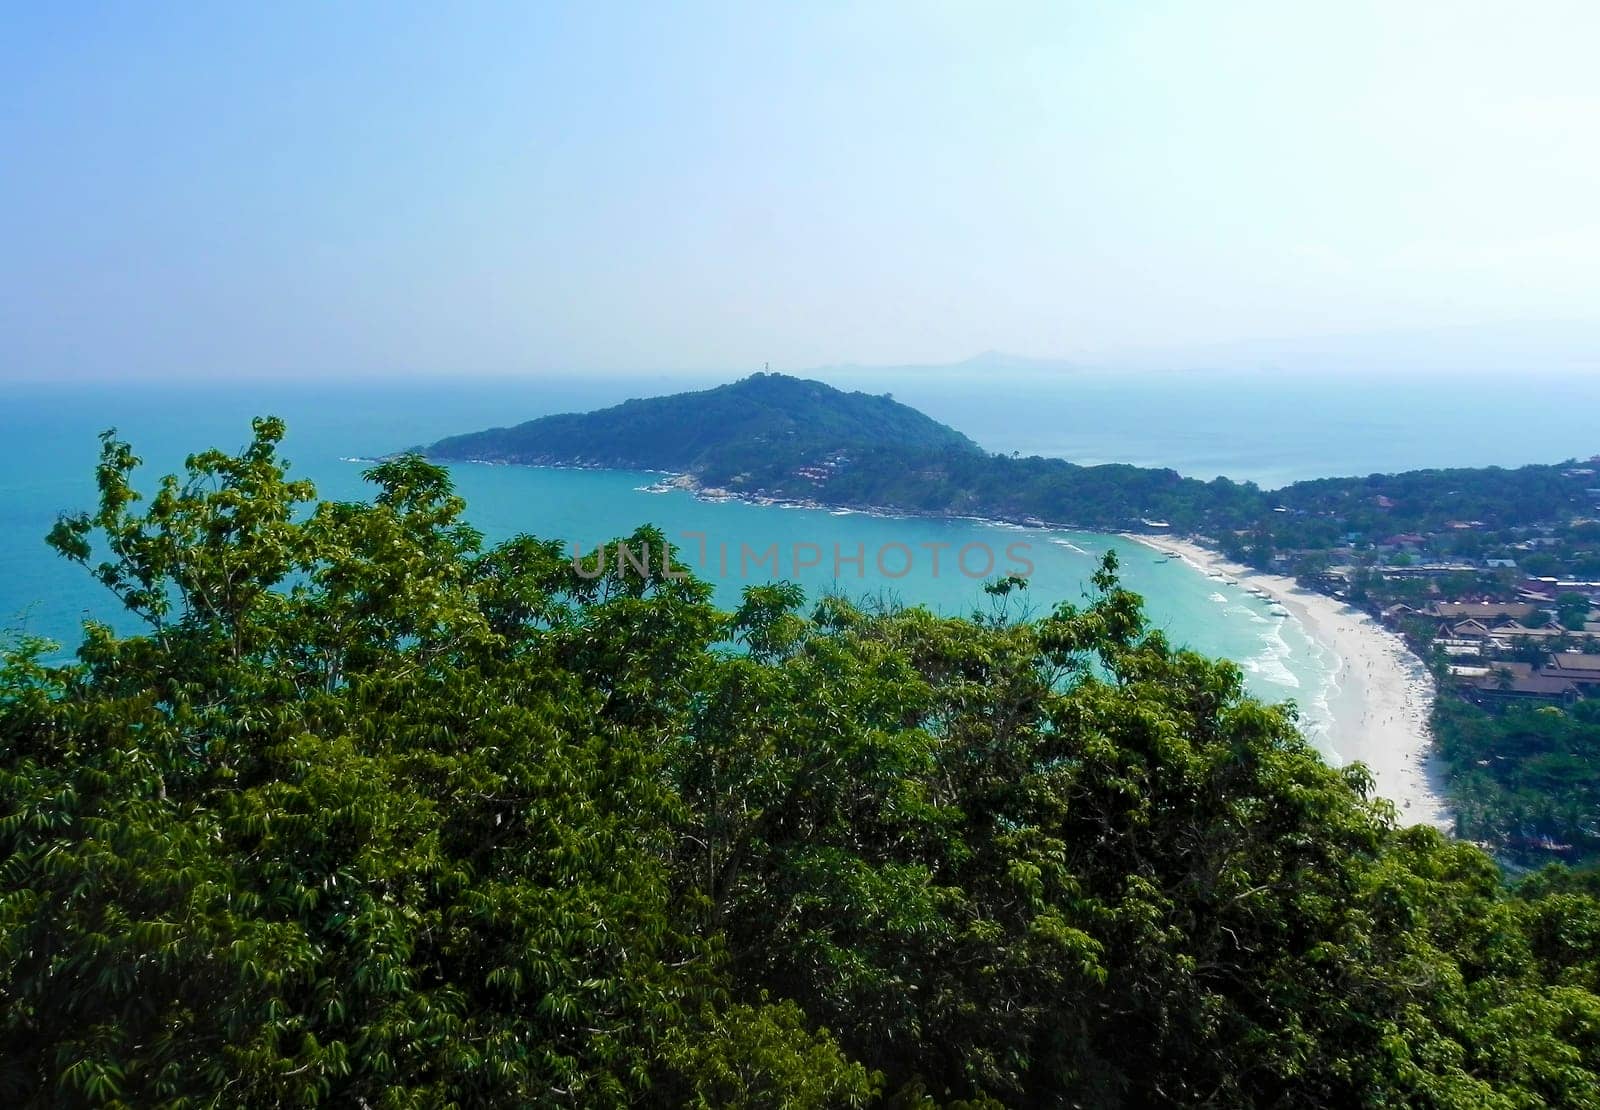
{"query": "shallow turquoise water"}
(48, 448)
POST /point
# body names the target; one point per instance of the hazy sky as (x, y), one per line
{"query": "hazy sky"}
(277, 189)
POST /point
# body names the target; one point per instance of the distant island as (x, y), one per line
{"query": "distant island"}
(1491, 574)
(779, 438)
(764, 422)
(775, 437)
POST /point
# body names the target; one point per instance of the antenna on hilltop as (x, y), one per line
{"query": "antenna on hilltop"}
(767, 366)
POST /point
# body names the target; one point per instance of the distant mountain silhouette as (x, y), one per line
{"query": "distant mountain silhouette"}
(757, 419)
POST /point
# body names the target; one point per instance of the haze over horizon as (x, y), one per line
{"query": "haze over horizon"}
(496, 190)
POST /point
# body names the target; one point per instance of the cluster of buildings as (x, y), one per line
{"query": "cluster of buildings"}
(1502, 634)
(1505, 652)
(819, 473)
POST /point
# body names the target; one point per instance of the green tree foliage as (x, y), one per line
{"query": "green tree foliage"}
(350, 823)
(370, 814)
(1526, 775)
(1572, 610)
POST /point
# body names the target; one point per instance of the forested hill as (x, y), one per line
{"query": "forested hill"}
(785, 438)
(761, 420)
(367, 813)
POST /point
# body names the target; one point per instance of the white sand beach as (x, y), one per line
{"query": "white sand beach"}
(1383, 693)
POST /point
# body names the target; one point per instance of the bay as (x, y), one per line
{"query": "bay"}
(1194, 423)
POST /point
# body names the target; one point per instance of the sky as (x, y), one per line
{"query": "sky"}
(285, 190)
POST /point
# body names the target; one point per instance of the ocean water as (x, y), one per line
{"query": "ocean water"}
(48, 448)
(1270, 427)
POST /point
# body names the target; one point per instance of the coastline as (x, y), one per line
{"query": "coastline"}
(1383, 694)
(678, 482)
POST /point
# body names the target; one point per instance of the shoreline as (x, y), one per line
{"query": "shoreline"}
(678, 482)
(1382, 696)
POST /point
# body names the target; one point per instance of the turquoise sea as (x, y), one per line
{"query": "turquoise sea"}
(1196, 423)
